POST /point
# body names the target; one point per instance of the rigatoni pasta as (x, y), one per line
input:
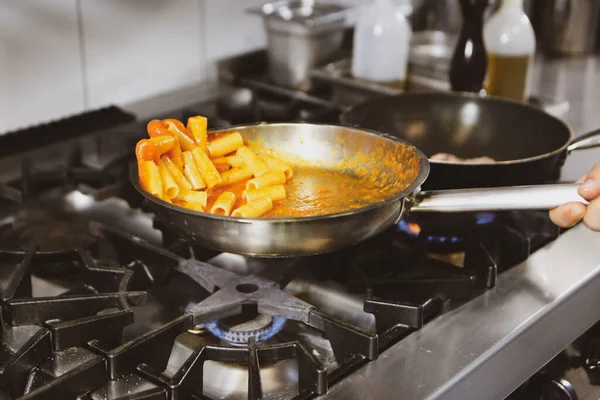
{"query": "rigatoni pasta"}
(190, 205)
(187, 143)
(277, 164)
(235, 175)
(253, 161)
(275, 193)
(197, 126)
(225, 144)
(170, 188)
(193, 196)
(228, 161)
(184, 166)
(150, 178)
(191, 172)
(271, 178)
(207, 168)
(258, 207)
(176, 174)
(223, 204)
(157, 129)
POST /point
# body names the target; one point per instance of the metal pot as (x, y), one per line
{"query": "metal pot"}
(567, 27)
(300, 36)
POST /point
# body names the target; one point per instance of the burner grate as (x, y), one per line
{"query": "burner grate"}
(78, 125)
(114, 330)
(312, 377)
(110, 180)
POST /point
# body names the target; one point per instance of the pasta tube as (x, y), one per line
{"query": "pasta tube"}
(197, 127)
(152, 149)
(221, 168)
(233, 161)
(177, 128)
(223, 204)
(158, 128)
(207, 169)
(150, 178)
(176, 174)
(235, 175)
(170, 188)
(191, 171)
(258, 207)
(269, 179)
(256, 165)
(162, 143)
(225, 144)
(145, 150)
(275, 193)
(192, 196)
(190, 205)
(277, 164)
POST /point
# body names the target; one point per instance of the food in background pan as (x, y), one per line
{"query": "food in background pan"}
(223, 174)
(453, 158)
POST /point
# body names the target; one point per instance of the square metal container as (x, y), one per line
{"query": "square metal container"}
(300, 36)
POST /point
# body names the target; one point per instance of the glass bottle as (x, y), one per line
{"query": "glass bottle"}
(469, 62)
(510, 43)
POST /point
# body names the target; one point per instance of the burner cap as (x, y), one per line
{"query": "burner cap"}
(239, 329)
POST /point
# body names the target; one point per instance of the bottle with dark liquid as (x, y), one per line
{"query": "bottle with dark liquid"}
(469, 62)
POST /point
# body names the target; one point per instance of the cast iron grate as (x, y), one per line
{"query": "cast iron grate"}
(111, 180)
(86, 338)
(78, 125)
(115, 273)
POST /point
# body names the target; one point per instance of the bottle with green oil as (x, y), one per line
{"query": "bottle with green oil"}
(510, 43)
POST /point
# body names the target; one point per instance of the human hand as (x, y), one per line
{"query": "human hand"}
(569, 214)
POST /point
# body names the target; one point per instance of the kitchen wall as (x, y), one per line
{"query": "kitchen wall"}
(61, 57)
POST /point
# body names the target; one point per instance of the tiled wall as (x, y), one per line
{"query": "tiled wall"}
(61, 57)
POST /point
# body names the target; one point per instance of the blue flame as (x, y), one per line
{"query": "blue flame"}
(403, 226)
(482, 218)
(259, 335)
(444, 239)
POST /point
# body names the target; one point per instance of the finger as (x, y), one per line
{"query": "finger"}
(590, 189)
(568, 214)
(592, 215)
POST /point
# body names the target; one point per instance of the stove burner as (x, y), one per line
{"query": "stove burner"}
(47, 232)
(239, 330)
(445, 223)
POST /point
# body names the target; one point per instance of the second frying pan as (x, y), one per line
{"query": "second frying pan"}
(528, 145)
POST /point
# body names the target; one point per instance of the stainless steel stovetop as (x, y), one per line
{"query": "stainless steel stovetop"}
(99, 301)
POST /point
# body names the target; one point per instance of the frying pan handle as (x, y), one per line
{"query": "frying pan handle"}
(587, 141)
(538, 197)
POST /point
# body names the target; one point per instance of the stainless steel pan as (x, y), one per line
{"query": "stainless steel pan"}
(405, 165)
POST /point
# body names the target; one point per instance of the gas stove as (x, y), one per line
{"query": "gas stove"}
(101, 301)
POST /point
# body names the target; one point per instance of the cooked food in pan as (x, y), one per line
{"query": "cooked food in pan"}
(453, 158)
(225, 175)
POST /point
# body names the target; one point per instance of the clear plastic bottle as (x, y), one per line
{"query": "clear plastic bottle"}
(381, 43)
(510, 43)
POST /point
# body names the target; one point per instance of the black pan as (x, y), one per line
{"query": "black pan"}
(529, 146)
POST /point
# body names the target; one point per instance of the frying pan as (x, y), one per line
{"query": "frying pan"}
(400, 164)
(529, 145)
